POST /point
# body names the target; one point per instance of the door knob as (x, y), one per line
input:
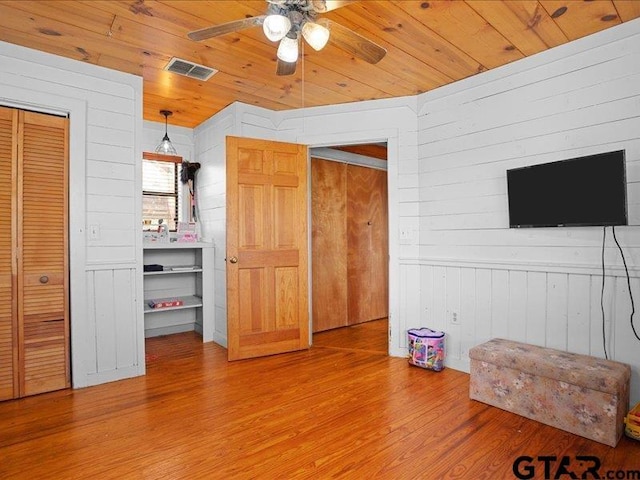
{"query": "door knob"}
(44, 279)
(233, 260)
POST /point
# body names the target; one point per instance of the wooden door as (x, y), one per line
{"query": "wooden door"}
(8, 299)
(267, 253)
(329, 244)
(43, 309)
(34, 310)
(368, 244)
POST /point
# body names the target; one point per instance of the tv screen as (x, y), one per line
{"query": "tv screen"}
(582, 191)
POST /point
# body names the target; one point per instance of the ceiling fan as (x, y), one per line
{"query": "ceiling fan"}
(287, 20)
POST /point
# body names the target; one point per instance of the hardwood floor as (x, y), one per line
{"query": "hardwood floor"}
(321, 413)
(370, 337)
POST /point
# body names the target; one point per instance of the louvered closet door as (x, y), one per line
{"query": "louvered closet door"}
(42, 266)
(8, 301)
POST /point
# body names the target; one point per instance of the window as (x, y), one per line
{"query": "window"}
(160, 190)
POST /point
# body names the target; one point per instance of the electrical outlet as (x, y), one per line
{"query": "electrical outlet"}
(455, 320)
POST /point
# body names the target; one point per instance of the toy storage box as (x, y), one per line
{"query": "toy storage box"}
(426, 348)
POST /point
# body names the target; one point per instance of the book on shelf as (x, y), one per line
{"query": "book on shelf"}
(165, 302)
(184, 268)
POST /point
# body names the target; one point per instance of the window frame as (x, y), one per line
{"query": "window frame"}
(158, 157)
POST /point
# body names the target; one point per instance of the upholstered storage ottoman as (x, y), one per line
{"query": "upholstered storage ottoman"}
(580, 394)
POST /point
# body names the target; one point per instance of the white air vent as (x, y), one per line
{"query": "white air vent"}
(190, 69)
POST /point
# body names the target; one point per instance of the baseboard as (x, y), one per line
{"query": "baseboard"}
(157, 332)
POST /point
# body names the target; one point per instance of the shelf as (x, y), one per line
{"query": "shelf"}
(190, 301)
(195, 268)
(191, 282)
(174, 245)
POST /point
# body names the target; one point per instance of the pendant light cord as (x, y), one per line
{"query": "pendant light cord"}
(302, 88)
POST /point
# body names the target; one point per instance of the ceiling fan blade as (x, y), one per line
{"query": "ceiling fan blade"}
(285, 68)
(322, 6)
(355, 44)
(228, 27)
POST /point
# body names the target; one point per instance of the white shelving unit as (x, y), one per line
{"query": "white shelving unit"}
(187, 275)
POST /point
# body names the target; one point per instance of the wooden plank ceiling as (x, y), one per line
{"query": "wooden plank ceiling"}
(429, 44)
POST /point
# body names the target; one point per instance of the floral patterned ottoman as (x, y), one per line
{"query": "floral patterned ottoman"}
(580, 394)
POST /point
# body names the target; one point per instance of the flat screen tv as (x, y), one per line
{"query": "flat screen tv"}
(584, 191)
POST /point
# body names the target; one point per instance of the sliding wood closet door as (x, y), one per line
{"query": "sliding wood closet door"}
(329, 244)
(43, 333)
(368, 239)
(8, 301)
(350, 244)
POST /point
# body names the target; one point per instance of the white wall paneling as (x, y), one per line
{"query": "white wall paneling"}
(210, 138)
(547, 308)
(111, 296)
(105, 111)
(539, 285)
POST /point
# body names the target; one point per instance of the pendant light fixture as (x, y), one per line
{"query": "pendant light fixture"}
(166, 147)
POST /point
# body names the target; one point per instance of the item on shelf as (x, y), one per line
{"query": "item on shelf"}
(184, 268)
(154, 267)
(187, 237)
(165, 303)
(163, 231)
(186, 232)
(150, 237)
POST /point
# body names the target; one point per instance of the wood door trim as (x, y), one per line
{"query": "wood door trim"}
(14, 256)
(19, 215)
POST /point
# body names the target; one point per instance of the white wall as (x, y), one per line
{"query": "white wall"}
(105, 111)
(541, 286)
(211, 194)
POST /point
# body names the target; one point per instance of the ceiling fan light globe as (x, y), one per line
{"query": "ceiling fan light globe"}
(288, 50)
(316, 35)
(276, 27)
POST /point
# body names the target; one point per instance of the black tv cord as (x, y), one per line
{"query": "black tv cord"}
(633, 307)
